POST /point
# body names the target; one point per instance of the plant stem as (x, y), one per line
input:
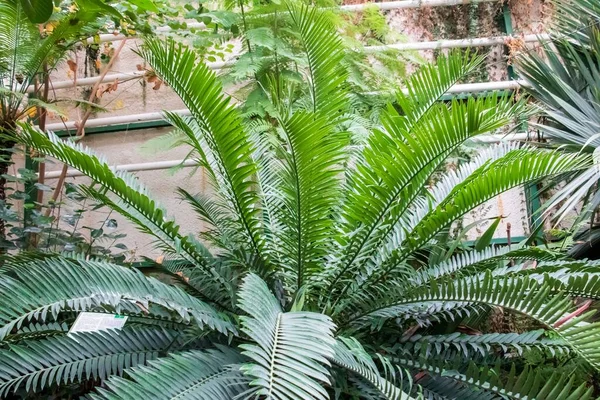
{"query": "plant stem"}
(81, 124)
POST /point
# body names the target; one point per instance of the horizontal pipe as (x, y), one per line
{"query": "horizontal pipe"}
(457, 43)
(432, 45)
(160, 165)
(403, 4)
(157, 116)
(149, 166)
(384, 6)
(121, 77)
(123, 119)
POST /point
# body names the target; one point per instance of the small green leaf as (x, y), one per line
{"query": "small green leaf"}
(485, 239)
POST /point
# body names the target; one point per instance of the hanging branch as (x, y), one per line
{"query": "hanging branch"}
(81, 124)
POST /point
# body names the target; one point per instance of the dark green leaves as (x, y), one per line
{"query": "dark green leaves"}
(40, 290)
(38, 364)
(291, 349)
(211, 374)
(38, 11)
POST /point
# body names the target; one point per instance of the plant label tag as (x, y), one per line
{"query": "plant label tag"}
(90, 322)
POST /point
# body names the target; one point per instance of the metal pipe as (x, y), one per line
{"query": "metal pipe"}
(450, 44)
(432, 45)
(157, 116)
(149, 166)
(159, 165)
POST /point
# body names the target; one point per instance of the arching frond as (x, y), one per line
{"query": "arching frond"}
(471, 261)
(38, 364)
(42, 289)
(514, 169)
(132, 201)
(211, 374)
(350, 355)
(528, 384)
(323, 46)
(397, 164)
(521, 294)
(291, 350)
(313, 156)
(229, 150)
(429, 345)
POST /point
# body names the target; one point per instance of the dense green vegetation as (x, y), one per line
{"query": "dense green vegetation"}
(329, 270)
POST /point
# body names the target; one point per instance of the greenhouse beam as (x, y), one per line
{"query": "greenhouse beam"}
(155, 116)
(384, 6)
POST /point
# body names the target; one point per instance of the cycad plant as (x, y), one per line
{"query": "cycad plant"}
(324, 274)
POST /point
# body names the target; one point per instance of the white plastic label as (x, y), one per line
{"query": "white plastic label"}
(90, 322)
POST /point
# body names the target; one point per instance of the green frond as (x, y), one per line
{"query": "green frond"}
(132, 199)
(472, 261)
(516, 168)
(529, 384)
(291, 349)
(430, 345)
(564, 79)
(229, 150)
(222, 230)
(517, 293)
(427, 86)
(397, 164)
(41, 290)
(350, 355)
(325, 52)
(313, 157)
(211, 374)
(39, 364)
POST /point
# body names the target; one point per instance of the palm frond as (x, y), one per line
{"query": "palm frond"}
(529, 384)
(291, 350)
(397, 164)
(211, 374)
(471, 261)
(229, 150)
(61, 360)
(518, 293)
(133, 200)
(42, 289)
(313, 156)
(325, 53)
(516, 168)
(350, 355)
(468, 345)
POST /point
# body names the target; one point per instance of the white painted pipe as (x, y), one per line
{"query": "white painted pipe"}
(112, 77)
(149, 166)
(450, 44)
(403, 4)
(123, 119)
(157, 116)
(158, 165)
(384, 6)
(438, 44)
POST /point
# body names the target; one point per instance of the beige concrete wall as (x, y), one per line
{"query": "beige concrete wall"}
(125, 148)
